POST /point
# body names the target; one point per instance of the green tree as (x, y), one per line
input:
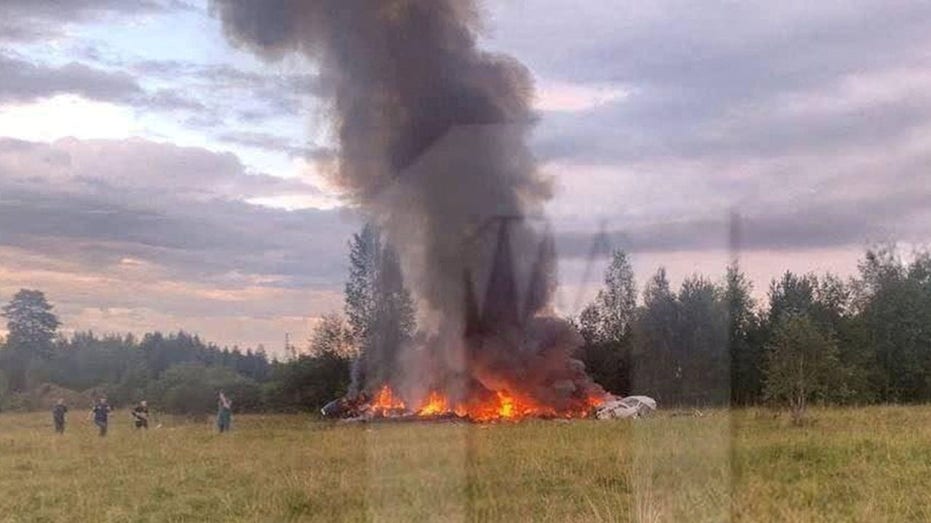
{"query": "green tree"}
(393, 325)
(4, 391)
(31, 327)
(746, 354)
(587, 323)
(310, 381)
(894, 305)
(378, 306)
(617, 300)
(364, 249)
(332, 335)
(31, 324)
(801, 364)
(791, 294)
(703, 363)
(606, 326)
(192, 388)
(833, 311)
(656, 369)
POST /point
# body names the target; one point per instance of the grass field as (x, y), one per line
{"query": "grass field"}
(870, 464)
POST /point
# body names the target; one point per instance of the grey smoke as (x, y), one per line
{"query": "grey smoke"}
(432, 133)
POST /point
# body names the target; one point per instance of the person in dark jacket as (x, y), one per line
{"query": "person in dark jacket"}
(224, 413)
(101, 415)
(58, 415)
(141, 415)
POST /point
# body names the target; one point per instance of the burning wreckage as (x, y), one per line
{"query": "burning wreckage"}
(557, 388)
(432, 147)
(384, 406)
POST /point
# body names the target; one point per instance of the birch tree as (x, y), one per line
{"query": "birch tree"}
(801, 365)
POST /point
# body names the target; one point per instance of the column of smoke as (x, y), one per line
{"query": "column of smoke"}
(432, 145)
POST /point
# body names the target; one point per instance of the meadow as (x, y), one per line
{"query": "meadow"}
(870, 464)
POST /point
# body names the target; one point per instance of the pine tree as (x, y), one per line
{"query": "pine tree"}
(31, 327)
(657, 369)
(31, 324)
(745, 358)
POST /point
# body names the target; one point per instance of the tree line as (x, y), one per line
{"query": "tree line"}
(816, 338)
(179, 373)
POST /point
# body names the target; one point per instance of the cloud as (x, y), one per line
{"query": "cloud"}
(171, 100)
(135, 296)
(24, 81)
(813, 120)
(815, 200)
(100, 202)
(137, 166)
(660, 125)
(700, 76)
(568, 97)
(134, 235)
(811, 228)
(268, 94)
(34, 20)
(276, 143)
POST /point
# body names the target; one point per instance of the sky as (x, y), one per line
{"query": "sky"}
(153, 176)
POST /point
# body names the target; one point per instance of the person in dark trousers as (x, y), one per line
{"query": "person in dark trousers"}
(224, 413)
(141, 415)
(101, 415)
(58, 415)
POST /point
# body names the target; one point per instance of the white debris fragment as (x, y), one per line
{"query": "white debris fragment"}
(629, 407)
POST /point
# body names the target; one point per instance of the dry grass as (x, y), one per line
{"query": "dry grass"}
(849, 465)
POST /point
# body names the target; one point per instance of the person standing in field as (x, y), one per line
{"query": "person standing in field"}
(58, 415)
(224, 413)
(141, 415)
(101, 415)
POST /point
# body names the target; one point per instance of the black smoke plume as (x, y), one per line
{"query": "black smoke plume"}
(432, 139)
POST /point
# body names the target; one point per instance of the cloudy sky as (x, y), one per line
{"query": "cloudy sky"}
(154, 177)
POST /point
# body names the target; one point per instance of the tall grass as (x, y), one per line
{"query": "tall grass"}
(869, 464)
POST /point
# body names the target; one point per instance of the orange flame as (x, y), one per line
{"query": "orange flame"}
(501, 406)
(385, 403)
(435, 405)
